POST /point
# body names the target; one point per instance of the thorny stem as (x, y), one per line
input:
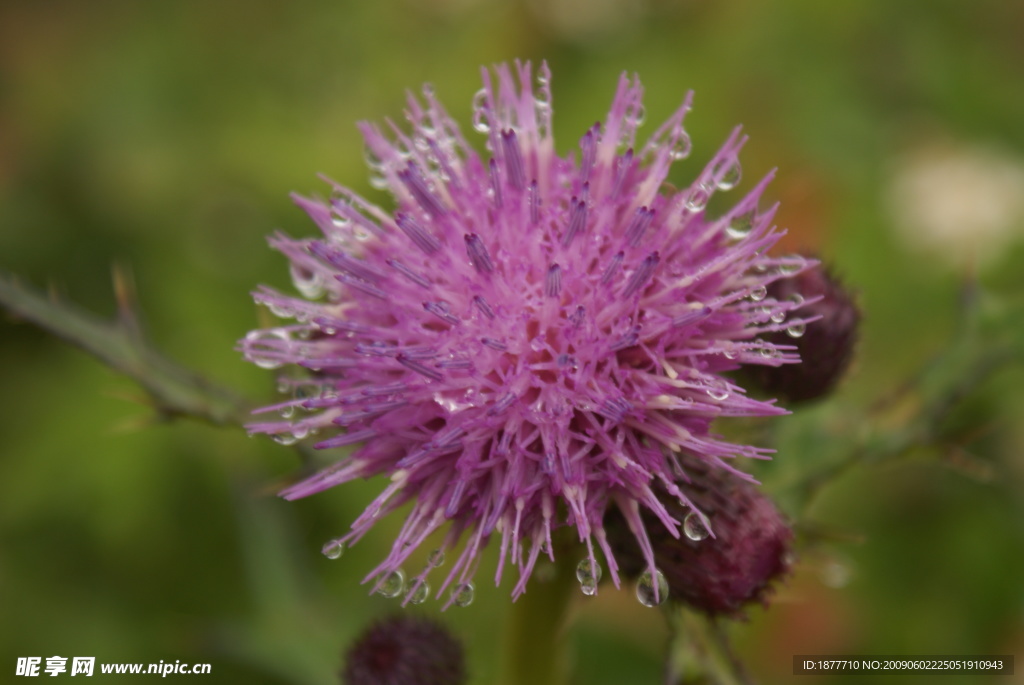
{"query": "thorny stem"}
(941, 385)
(173, 391)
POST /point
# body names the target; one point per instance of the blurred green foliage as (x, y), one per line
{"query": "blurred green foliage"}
(165, 137)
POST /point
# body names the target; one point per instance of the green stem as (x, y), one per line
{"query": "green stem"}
(175, 391)
(701, 653)
(535, 634)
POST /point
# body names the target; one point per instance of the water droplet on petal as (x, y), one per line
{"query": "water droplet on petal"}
(480, 113)
(778, 315)
(333, 549)
(463, 594)
(652, 590)
(698, 198)
(681, 147)
(373, 162)
(308, 282)
(589, 587)
(284, 439)
(791, 267)
(739, 227)
(393, 585)
(759, 293)
(797, 330)
(585, 571)
(436, 558)
(279, 311)
(287, 411)
(694, 528)
(421, 593)
(732, 175)
(718, 393)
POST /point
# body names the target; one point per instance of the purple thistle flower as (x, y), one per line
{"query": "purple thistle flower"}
(528, 340)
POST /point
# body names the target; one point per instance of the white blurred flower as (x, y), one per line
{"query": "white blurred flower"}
(964, 203)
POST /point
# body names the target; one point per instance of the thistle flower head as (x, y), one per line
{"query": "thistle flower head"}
(528, 339)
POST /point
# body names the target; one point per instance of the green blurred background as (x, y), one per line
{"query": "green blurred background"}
(165, 137)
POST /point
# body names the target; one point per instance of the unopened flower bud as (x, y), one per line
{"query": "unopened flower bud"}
(718, 573)
(825, 346)
(405, 650)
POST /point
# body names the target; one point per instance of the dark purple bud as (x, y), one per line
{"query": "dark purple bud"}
(825, 346)
(717, 575)
(405, 650)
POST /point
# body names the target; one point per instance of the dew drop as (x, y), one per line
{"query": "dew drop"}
(589, 573)
(758, 293)
(436, 558)
(778, 316)
(791, 267)
(681, 147)
(694, 528)
(267, 362)
(373, 162)
(284, 439)
(797, 330)
(718, 393)
(463, 594)
(480, 114)
(589, 587)
(420, 593)
(542, 113)
(731, 177)
(378, 182)
(698, 198)
(307, 282)
(278, 311)
(652, 590)
(333, 549)
(740, 226)
(287, 411)
(393, 585)
(637, 115)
